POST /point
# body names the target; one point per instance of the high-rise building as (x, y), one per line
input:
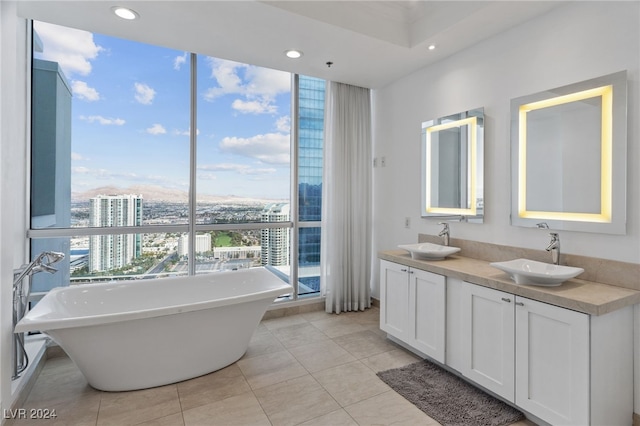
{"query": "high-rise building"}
(114, 251)
(275, 241)
(203, 244)
(310, 147)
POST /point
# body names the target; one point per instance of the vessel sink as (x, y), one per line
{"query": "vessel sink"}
(525, 271)
(429, 251)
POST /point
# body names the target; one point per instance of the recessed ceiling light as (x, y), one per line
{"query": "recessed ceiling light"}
(293, 54)
(125, 13)
(432, 47)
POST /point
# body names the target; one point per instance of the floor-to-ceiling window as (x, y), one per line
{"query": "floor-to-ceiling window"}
(310, 143)
(126, 186)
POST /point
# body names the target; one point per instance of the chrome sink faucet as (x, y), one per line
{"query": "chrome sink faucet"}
(444, 233)
(554, 247)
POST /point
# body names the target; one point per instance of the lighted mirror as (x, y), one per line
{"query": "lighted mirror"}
(452, 167)
(568, 157)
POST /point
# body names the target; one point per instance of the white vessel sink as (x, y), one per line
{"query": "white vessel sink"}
(429, 251)
(525, 271)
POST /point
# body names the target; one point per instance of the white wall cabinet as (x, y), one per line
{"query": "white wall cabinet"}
(561, 366)
(412, 307)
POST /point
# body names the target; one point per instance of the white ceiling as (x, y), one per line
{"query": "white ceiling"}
(371, 43)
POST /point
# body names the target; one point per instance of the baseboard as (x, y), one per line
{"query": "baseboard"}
(375, 302)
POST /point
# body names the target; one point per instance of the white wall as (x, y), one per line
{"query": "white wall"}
(13, 201)
(576, 42)
(570, 44)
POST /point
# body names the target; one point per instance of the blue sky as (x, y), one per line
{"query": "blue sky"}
(130, 117)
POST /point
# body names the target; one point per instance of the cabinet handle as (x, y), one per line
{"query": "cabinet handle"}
(411, 272)
(506, 299)
(519, 303)
(403, 270)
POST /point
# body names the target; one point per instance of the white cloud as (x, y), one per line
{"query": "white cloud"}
(178, 61)
(77, 157)
(144, 93)
(254, 107)
(84, 92)
(156, 129)
(81, 170)
(271, 148)
(283, 124)
(259, 86)
(266, 81)
(102, 120)
(72, 49)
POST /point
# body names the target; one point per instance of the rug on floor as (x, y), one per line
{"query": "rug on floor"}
(447, 398)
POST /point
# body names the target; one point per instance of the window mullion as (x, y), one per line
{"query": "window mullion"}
(193, 140)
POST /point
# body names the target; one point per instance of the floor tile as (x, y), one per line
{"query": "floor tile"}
(269, 369)
(335, 418)
(60, 382)
(213, 387)
(351, 383)
(321, 355)
(315, 316)
(263, 343)
(80, 412)
(337, 325)
(393, 359)
(130, 408)
(275, 323)
(298, 335)
(172, 420)
(295, 401)
(388, 408)
(241, 410)
(364, 344)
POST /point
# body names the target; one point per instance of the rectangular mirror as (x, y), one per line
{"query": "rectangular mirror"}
(452, 167)
(568, 157)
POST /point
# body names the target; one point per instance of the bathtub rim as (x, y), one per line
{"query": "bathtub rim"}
(35, 322)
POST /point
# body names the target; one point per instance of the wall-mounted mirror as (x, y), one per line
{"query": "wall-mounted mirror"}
(568, 157)
(452, 167)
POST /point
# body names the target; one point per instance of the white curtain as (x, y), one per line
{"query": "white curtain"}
(346, 199)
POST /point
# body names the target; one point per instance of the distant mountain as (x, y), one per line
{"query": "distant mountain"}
(159, 193)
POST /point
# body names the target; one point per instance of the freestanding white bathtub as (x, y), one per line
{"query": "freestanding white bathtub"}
(141, 334)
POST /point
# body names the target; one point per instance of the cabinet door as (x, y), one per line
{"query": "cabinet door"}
(488, 338)
(427, 313)
(552, 362)
(394, 299)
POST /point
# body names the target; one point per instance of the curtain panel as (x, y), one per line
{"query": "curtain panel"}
(346, 194)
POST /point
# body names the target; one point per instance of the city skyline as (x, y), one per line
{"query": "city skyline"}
(130, 117)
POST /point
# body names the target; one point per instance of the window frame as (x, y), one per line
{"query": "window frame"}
(192, 228)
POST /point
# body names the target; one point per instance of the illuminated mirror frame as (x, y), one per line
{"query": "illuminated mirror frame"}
(473, 120)
(612, 89)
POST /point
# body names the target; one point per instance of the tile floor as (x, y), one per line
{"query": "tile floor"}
(305, 369)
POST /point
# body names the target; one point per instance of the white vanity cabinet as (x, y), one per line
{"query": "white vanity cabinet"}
(412, 307)
(562, 366)
(488, 338)
(552, 362)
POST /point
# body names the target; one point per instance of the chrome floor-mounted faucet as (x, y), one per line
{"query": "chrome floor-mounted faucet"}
(554, 247)
(444, 233)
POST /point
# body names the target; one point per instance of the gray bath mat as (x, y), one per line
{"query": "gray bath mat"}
(447, 398)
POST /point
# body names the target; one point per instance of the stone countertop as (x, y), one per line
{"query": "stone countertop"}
(583, 296)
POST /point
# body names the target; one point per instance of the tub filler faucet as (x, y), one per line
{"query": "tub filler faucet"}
(554, 248)
(444, 233)
(21, 293)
